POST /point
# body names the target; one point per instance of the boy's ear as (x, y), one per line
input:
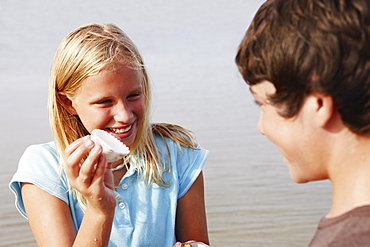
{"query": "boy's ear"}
(325, 109)
(66, 103)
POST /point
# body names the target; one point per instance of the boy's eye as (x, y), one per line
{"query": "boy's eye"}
(257, 103)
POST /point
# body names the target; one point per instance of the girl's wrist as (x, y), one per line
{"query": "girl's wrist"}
(105, 212)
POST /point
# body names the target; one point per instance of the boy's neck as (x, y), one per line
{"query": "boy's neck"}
(350, 175)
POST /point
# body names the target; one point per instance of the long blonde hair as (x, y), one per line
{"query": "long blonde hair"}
(85, 52)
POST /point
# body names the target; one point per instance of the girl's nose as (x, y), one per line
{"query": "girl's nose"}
(123, 113)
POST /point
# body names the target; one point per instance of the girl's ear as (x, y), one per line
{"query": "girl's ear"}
(66, 103)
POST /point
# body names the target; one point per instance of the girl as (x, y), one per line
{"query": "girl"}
(70, 194)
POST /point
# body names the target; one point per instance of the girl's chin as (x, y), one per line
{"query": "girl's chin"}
(128, 142)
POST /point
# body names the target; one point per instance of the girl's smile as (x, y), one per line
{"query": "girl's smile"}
(121, 133)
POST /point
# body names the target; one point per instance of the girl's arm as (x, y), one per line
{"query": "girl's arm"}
(50, 218)
(191, 222)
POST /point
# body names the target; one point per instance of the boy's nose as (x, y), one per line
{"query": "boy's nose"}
(260, 125)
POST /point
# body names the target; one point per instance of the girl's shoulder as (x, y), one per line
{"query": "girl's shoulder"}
(185, 158)
(180, 154)
(45, 151)
(42, 148)
(171, 133)
(40, 157)
(39, 165)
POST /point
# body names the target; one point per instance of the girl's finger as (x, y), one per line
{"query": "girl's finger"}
(108, 176)
(99, 168)
(74, 145)
(90, 166)
(74, 159)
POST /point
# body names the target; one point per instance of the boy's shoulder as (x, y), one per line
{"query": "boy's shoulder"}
(349, 229)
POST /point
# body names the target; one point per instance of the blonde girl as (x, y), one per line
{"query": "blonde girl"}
(68, 192)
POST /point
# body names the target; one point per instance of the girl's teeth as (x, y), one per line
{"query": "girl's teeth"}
(118, 131)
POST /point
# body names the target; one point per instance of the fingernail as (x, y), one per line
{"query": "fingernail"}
(86, 137)
(89, 143)
(96, 149)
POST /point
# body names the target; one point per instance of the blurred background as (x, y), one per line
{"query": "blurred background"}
(189, 48)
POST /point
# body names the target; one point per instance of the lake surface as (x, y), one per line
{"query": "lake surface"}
(189, 48)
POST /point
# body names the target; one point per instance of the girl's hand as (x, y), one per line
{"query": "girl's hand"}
(92, 177)
(191, 244)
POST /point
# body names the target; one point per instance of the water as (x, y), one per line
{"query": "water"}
(189, 47)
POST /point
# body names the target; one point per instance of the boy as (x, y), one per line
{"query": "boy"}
(307, 63)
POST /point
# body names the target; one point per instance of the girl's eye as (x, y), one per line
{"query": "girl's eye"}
(134, 96)
(106, 101)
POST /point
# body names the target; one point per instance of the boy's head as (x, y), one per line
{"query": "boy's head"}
(312, 46)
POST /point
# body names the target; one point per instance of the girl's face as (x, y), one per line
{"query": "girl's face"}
(113, 101)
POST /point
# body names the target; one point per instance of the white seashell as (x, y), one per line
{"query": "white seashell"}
(113, 148)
